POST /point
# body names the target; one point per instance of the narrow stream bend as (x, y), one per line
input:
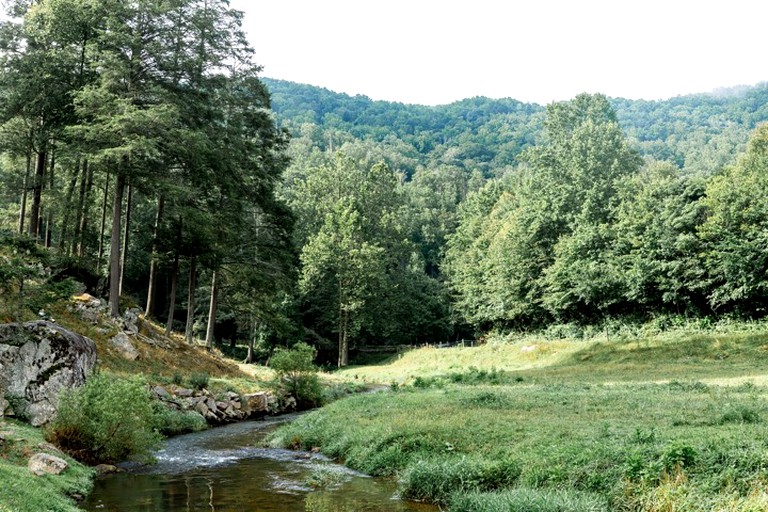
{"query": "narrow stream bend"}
(224, 469)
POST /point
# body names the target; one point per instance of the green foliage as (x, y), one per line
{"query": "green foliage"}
(171, 422)
(735, 230)
(361, 279)
(106, 421)
(297, 375)
(198, 380)
(28, 279)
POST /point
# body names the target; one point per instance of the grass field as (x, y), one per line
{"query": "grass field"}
(658, 424)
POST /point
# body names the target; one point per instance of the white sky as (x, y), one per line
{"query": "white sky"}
(435, 52)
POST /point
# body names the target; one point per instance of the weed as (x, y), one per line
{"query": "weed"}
(325, 477)
(739, 415)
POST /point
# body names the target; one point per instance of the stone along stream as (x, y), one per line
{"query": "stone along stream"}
(225, 469)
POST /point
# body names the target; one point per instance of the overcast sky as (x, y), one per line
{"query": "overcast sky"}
(434, 52)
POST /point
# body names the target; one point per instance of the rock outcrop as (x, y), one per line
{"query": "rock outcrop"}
(38, 360)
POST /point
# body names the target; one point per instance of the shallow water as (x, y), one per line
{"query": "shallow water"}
(225, 469)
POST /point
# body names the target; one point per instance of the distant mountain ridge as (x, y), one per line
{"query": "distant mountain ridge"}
(699, 132)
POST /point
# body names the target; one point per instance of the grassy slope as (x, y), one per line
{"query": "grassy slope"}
(21, 491)
(724, 359)
(654, 424)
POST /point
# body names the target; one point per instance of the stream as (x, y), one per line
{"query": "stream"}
(225, 469)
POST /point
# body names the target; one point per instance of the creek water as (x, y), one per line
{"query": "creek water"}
(227, 469)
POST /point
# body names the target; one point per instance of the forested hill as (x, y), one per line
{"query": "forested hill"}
(698, 133)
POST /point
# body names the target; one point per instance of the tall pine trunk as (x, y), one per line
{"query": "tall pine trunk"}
(191, 300)
(152, 285)
(126, 236)
(86, 183)
(174, 283)
(23, 208)
(114, 246)
(212, 311)
(37, 194)
(252, 339)
(49, 209)
(103, 223)
(64, 246)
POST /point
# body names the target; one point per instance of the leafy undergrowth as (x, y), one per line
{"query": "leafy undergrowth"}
(644, 425)
(22, 492)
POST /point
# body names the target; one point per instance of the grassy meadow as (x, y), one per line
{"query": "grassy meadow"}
(665, 423)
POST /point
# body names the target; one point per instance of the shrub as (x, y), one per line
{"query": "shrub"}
(172, 422)
(199, 380)
(436, 480)
(297, 375)
(106, 420)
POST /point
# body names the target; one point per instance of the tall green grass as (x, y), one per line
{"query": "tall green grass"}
(527, 500)
(623, 444)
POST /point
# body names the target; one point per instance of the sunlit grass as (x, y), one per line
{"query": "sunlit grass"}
(649, 424)
(723, 359)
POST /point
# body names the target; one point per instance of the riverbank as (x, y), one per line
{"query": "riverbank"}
(20, 489)
(648, 424)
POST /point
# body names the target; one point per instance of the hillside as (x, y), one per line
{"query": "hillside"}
(698, 133)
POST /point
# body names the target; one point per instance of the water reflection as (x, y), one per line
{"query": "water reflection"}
(224, 470)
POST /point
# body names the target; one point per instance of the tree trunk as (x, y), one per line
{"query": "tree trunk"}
(64, 247)
(126, 236)
(49, 214)
(191, 300)
(37, 192)
(23, 209)
(114, 254)
(77, 240)
(252, 339)
(152, 285)
(172, 305)
(83, 214)
(103, 223)
(212, 311)
(344, 342)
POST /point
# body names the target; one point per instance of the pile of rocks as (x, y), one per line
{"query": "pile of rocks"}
(223, 408)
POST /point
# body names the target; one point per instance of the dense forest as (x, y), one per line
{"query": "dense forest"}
(141, 148)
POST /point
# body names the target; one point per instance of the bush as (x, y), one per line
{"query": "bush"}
(171, 422)
(199, 380)
(297, 375)
(106, 421)
(436, 480)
